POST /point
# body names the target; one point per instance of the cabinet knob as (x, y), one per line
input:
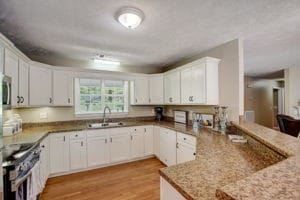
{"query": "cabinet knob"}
(22, 100)
(18, 99)
(50, 100)
(135, 100)
(69, 100)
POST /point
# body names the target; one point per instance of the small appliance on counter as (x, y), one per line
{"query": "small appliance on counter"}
(12, 126)
(158, 113)
(181, 116)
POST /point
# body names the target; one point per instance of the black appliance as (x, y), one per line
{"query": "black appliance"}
(18, 160)
(159, 113)
(6, 92)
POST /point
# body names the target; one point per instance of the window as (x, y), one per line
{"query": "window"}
(92, 95)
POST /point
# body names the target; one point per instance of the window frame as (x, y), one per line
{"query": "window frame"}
(102, 96)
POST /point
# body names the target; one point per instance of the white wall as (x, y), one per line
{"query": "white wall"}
(292, 90)
(231, 76)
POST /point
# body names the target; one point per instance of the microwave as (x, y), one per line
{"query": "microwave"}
(6, 92)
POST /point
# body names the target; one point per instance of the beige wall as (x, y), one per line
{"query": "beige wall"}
(292, 91)
(67, 113)
(249, 93)
(231, 77)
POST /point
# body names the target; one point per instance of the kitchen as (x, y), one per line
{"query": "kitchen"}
(113, 125)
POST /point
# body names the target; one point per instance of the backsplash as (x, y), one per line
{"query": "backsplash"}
(169, 110)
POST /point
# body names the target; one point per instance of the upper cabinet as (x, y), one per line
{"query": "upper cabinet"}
(40, 84)
(172, 87)
(62, 88)
(156, 89)
(199, 82)
(1, 59)
(18, 70)
(140, 90)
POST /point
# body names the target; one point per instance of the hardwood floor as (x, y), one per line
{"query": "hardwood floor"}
(136, 180)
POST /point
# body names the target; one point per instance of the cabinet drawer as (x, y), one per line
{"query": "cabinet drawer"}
(97, 133)
(184, 138)
(77, 135)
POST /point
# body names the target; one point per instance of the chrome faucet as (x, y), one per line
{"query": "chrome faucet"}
(104, 113)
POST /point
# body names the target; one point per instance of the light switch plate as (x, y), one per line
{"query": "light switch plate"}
(43, 115)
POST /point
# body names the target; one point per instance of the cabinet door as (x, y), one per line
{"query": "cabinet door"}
(23, 82)
(11, 68)
(172, 87)
(168, 146)
(186, 85)
(40, 84)
(156, 89)
(198, 84)
(137, 147)
(185, 153)
(77, 154)
(97, 151)
(1, 59)
(156, 131)
(62, 88)
(59, 153)
(120, 145)
(44, 160)
(141, 90)
(148, 141)
(168, 192)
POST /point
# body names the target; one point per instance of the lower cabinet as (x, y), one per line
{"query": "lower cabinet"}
(119, 144)
(44, 160)
(156, 143)
(137, 142)
(59, 153)
(186, 148)
(97, 148)
(148, 141)
(168, 192)
(168, 146)
(78, 150)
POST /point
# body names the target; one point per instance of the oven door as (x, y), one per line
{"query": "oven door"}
(6, 92)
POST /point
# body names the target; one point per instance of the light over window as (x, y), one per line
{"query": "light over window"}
(92, 95)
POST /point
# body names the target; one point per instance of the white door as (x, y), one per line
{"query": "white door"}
(168, 146)
(23, 83)
(137, 147)
(148, 141)
(186, 85)
(11, 68)
(40, 86)
(185, 153)
(62, 88)
(172, 87)
(97, 151)
(141, 90)
(77, 154)
(156, 135)
(59, 153)
(198, 84)
(119, 145)
(44, 160)
(156, 89)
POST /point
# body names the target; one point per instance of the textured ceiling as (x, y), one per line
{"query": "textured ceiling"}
(172, 30)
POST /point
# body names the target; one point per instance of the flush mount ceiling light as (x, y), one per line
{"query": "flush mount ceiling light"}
(106, 62)
(130, 17)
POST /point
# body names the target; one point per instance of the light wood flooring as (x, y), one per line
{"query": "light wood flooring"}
(136, 180)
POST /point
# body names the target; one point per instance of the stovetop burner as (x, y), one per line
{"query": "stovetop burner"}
(15, 152)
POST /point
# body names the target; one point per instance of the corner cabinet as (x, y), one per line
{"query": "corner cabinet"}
(199, 82)
(40, 85)
(172, 87)
(139, 89)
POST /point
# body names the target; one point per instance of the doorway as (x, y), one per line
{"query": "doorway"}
(278, 104)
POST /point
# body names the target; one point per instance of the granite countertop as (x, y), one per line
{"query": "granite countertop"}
(222, 170)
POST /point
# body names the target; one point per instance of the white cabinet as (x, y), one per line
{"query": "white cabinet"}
(137, 143)
(156, 145)
(148, 141)
(156, 89)
(186, 148)
(44, 160)
(77, 150)
(172, 87)
(168, 192)
(11, 69)
(1, 59)
(199, 82)
(62, 88)
(97, 147)
(23, 83)
(59, 153)
(119, 144)
(168, 146)
(40, 85)
(139, 89)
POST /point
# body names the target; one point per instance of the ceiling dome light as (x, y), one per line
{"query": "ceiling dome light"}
(130, 17)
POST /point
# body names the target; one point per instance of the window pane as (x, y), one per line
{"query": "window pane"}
(90, 95)
(114, 87)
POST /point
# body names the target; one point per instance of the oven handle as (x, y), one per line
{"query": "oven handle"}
(16, 184)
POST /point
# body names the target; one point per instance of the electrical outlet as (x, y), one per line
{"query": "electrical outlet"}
(43, 115)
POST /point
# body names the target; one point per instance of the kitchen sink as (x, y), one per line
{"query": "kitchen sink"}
(104, 125)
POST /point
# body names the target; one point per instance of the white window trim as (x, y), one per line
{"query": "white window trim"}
(96, 114)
